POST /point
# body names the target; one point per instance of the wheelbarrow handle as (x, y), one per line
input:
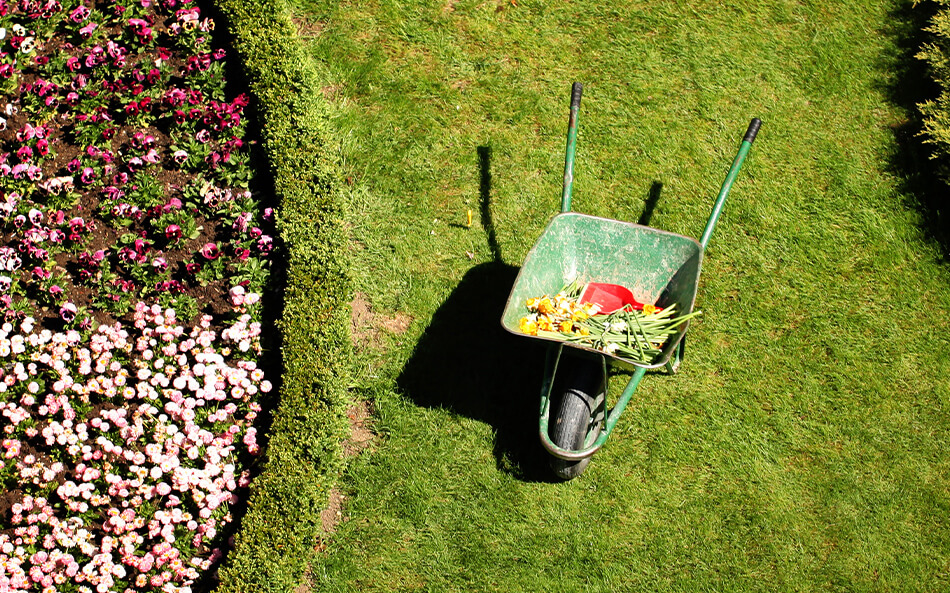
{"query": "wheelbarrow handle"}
(576, 91)
(750, 134)
(754, 126)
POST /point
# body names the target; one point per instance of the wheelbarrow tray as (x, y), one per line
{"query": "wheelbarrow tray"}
(659, 267)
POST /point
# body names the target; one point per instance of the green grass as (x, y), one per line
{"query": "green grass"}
(803, 444)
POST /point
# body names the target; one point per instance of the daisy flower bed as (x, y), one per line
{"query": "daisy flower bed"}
(132, 261)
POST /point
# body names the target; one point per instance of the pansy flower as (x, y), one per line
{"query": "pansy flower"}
(210, 251)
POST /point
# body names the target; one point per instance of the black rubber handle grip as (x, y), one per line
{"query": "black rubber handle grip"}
(576, 92)
(754, 126)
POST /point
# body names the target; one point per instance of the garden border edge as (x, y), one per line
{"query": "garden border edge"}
(303, 457)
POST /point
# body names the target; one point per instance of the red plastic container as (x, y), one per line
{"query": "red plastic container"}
(610, 297)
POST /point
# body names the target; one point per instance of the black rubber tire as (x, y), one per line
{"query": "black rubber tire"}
(579, 410)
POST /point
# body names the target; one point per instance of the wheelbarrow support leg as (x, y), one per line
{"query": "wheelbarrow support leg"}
(551, 364)
(673, 364)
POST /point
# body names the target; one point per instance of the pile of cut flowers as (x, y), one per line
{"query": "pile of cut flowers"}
(636, 332)
(133, 260)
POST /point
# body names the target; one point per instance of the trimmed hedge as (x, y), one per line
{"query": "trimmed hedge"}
(304, 454)
(936, 113)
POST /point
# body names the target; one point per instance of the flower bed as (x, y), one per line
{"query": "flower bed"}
(132, 261)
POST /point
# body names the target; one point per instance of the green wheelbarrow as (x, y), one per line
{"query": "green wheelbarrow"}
(658, 267)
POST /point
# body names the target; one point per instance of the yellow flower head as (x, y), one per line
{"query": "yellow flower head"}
(544, 323)
(545, 306)
(566, 326)
(649, 309)
(532, 303)
(528, 326)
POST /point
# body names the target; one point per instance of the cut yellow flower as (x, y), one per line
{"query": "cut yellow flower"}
(528, 326)
(545, 306)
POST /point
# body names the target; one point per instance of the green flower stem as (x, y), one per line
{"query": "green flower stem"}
(641, 340)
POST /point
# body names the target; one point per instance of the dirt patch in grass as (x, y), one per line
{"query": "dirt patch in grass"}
(361, 431)
(367, 325)
(331, 516)
(449, 6)
(309, 29)
(361, 437)
(331, 92)
(367, 328)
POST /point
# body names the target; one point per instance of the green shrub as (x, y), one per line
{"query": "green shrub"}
(936, 112)
(304, 453)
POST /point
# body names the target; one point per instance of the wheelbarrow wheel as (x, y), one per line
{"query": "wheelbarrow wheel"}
(580, 414)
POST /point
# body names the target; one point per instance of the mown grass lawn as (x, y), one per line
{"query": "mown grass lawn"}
(803, 444)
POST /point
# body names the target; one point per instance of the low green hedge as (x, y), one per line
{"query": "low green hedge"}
(936, 112)
(304, 454)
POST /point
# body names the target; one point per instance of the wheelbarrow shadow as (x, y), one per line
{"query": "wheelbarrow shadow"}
(467, 363)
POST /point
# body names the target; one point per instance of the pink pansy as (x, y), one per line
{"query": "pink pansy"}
(237, 295)
(68, 311)
(79, 14)
(88, 175)
(210, 251)
(87, 31)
